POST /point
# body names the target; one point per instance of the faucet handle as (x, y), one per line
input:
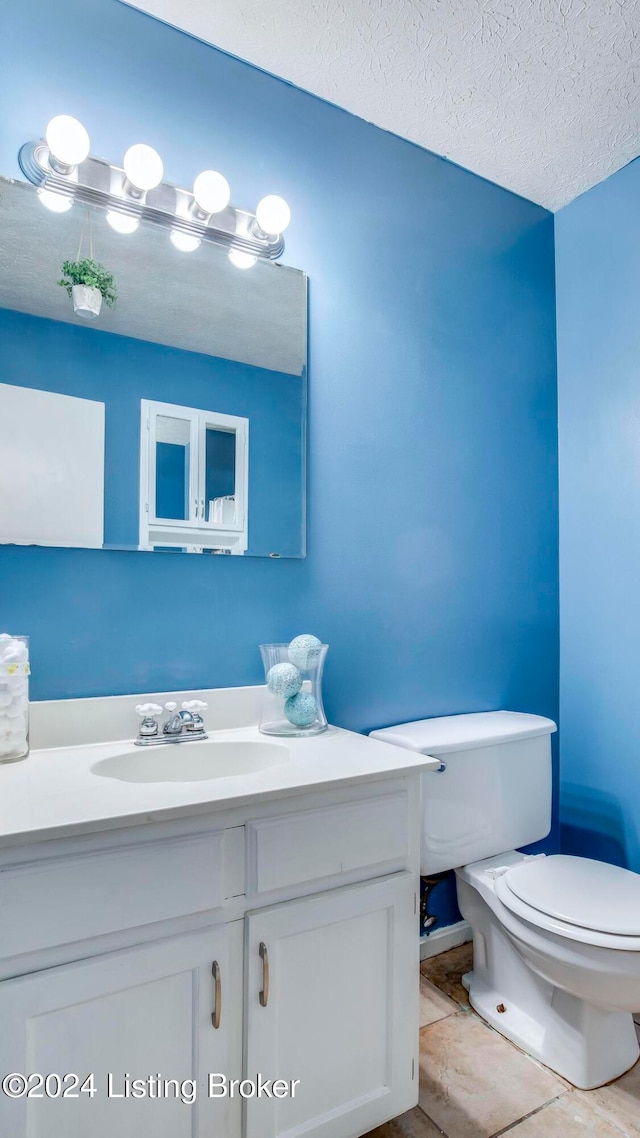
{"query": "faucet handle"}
(147, 713)
(146, 709)
(193, 708)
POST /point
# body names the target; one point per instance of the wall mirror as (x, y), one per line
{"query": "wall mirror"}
(173, 421)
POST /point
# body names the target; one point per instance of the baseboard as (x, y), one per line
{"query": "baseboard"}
(441, 940)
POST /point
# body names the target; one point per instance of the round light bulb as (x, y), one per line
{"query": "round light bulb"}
(143, 166)
(211, 191)
(273, 214)
(57, 203)
(122, 222)
(241, 260)
(67, 140)
(185, 242)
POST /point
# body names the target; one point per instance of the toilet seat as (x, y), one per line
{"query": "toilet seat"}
(578, 898)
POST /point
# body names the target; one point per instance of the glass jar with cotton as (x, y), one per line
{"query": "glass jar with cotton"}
(293, 694)
(14, 697)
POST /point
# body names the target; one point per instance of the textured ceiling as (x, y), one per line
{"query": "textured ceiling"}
(539, 96)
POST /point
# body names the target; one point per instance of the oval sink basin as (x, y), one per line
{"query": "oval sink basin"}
(191, 762)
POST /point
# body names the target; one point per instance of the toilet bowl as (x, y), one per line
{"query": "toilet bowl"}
(556, 939)
(561, 991)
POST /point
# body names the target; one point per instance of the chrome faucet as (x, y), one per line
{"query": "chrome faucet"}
(181, 726)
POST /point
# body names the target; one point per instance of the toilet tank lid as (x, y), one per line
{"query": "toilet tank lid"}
(463, 732)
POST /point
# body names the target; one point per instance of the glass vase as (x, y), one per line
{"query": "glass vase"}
(291, 709)
(14, 698)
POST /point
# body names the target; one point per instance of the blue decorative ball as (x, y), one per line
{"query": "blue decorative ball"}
(304, 651)
(301, 709)
(284, 680)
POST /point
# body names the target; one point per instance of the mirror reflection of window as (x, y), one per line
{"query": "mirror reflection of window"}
(173, 438)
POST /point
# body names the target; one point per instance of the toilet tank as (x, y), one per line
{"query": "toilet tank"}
(494, 794)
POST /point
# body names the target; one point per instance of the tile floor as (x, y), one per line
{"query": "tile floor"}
(475, 1084)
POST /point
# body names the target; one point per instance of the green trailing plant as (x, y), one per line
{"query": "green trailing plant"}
(89, 273)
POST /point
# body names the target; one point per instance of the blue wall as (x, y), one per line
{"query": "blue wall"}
(119, 372)
(432, 567)
(598, 283)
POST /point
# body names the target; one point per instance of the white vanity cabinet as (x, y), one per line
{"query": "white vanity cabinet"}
(277, 940)
(143, 1011)
(331, 1002)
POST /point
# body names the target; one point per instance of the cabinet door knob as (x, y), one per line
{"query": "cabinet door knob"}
(217, 1011)
(264, 956)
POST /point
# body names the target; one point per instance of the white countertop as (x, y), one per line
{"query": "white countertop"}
(54, 793)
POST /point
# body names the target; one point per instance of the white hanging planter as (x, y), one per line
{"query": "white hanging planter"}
(87, 301)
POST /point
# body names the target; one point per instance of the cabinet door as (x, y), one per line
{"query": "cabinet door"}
(193, 477)
(143, 1012)
(171, 436)
(338, 974)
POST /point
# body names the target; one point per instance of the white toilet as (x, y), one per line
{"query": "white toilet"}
(556, 939)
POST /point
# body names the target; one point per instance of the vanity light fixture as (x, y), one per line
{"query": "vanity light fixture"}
(273, 214)
(242, 260)
(68, 143)
(143, 170)
(57, 203)
(185, 242)
(122, 222)
(62, 168)
(211, 194)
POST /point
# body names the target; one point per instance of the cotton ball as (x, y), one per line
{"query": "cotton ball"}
(304, 651)
(15, 653)
(5, 699)
(301, 709)
(15, 744)
(284, 680)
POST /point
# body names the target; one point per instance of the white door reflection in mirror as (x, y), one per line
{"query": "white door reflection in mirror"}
(193, 479)
(51, 468)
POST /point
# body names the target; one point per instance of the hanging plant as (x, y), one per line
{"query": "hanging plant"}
(88, 284)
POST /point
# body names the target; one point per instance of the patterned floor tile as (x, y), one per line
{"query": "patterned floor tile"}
(434, 1005)
(413, 1124)
(567, 1117)
(474, 1083)
(446, 970)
